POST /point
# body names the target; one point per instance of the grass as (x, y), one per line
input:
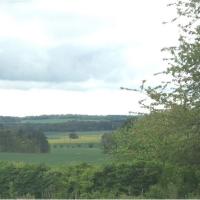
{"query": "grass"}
(60, 156)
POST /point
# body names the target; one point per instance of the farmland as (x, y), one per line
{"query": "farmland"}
(65, 151)
(83, 137)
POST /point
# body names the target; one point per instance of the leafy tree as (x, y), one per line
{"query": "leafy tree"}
(171, 132)
(183, 85)
(73, 135)
(182, 93)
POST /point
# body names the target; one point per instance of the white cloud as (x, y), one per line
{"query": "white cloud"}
(83, 46)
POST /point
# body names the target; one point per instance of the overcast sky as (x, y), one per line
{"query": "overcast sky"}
(72, 56)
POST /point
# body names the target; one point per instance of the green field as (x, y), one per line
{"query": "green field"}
(81, 140)
(60, 156)
(55, 134)
(65, 151)
(84, 137)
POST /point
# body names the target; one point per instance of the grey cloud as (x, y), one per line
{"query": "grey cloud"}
(80, 64)
(24, 65)
(19, 61)
(66, 63)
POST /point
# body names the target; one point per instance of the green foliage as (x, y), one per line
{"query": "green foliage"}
(127, 179)
(176, 182)
(170, 136)
(80, 181)
(183, 73)
(133, 180)
(19, 180)
(136, 180)
(107, 142)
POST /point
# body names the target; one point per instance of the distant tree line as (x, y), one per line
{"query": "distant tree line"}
(7, 119)
(23, 140)
(70, 117)
(65, 122)
(69, 126)
(77, 117)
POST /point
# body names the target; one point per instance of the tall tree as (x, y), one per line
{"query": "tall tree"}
(172, 130)
(184, 61)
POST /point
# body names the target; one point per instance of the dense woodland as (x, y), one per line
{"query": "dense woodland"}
(154, 156)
